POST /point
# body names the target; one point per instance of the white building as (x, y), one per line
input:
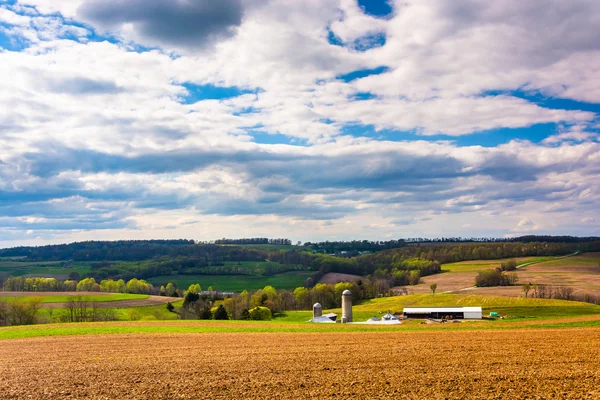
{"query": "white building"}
(443, 312)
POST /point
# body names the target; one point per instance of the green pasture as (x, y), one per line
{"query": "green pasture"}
(254, 265)
(179, 326)
(519, 313)
(22, 268)
(235, 283)
(481, 265)
(584, 259)
(511, 308)
(64, 298)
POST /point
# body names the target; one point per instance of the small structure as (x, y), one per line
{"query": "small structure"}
(325, 319)
(387, 319)
(390, 317)
(443, 312)
(346, 306)
(317, 310)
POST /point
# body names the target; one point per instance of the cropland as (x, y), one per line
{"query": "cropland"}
(540, 348)
(580, 272)
(447, 364)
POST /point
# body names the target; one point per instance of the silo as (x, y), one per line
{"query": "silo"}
(347, 306)
(317, 310)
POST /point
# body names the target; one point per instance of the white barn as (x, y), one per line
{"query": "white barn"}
(443, 312)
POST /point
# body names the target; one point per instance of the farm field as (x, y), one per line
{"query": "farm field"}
(551, 363)
(236, 283)
(48, 269)
(582, 272)
(510, 308)
(335, 277)
(61, 297)
(122, 303)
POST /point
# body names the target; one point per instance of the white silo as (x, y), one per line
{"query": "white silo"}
(347, 306)
(317, 310)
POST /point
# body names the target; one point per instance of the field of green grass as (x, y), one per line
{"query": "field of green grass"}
(109, 297)
(481, 265)
(236, 283)
(253, 265)
(21, 268)
(510, 308)
(518, 313)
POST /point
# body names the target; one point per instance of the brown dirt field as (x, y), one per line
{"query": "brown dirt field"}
(150, 301)
(433, 365)
(334, 277)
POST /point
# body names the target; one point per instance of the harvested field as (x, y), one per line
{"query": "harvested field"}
(334, 277)
(535, 363)
(149, 301)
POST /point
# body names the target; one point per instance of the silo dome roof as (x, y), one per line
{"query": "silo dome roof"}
(346, 292)
(317, 305)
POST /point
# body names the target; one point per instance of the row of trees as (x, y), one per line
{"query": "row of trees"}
(254, 241)
(21, 284)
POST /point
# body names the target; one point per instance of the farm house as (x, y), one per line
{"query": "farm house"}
(443, 312)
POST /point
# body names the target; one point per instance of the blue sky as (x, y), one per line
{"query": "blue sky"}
(307, 119)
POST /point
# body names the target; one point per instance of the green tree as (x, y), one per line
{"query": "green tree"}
(171, 290)
(221, 313)
(433, 287)
(194, 288)
(88, 285)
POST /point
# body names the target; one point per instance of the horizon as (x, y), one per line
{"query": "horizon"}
(321, 120)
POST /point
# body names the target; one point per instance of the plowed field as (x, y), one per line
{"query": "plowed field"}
(515, 364)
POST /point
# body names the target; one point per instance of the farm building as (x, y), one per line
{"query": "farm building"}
(443, 312)
(387, 319)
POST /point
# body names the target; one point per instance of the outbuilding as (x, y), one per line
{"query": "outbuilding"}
(443, 312)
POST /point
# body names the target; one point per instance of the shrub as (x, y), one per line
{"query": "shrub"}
(260, 314)
(495, 277)
(509, 265)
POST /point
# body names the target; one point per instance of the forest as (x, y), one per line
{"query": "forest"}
(403, 265)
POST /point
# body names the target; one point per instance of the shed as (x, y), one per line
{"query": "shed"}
(443, 312)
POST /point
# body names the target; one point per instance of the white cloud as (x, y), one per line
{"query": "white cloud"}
(99, 133)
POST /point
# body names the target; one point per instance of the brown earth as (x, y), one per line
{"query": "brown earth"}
(334, 277)
(511, 364)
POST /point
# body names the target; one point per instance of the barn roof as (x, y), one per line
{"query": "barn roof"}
(421, 310)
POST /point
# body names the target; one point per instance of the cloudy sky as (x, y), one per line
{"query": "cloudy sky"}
(307, 119)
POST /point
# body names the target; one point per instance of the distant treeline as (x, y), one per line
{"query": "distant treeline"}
(254, 241)
(524, 239)
(135, 250)
(126, 250)
(355, 246)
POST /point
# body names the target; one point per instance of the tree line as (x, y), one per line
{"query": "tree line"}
(254, 241)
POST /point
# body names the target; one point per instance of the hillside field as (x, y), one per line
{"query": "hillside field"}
(236, 283)
(581, 272)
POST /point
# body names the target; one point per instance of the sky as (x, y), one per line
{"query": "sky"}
(305, 119)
